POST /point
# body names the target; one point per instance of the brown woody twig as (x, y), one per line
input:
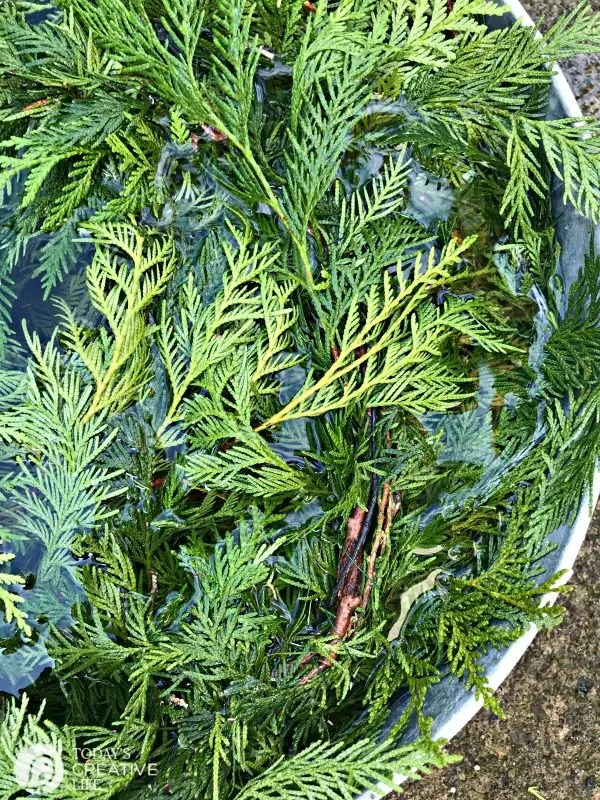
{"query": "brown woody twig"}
(379, 542)
(348, 592)
(349, 585)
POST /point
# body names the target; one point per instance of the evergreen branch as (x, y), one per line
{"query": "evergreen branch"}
(573, 154)
(390, 331)
(197, 342)
(10, 600)
(120, 290)
(425, 42)
(525, 183)
(574, 33)
(324, 111)
(329, 772)
(249, 465)
(384, 196)
(300, 217)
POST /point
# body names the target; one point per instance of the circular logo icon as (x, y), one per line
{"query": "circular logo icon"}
(39, 766)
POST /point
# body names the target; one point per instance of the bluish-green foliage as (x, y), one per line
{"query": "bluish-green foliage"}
(283, 266)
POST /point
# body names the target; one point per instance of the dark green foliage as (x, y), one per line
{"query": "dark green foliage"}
(281, 267)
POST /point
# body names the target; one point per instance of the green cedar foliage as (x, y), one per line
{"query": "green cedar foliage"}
(268, 269)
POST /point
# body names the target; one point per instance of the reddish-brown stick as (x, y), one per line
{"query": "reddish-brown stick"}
(36, 104)
(349, 596)
(349, 581)
(379, 542)
(349, 589)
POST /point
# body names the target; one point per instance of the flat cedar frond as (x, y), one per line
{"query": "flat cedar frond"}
(124, 30)
(573, 33)
(375, 202)
(292, 395)
(127, 274)
(339, 771)
(194, 344)
(391, 340)
(420, 39)
(11, 600)
(572, 153)
(233, 68)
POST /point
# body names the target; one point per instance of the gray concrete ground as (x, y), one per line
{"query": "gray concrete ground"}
(549, 744)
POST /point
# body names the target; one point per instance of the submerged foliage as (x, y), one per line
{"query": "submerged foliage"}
(291, 393)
